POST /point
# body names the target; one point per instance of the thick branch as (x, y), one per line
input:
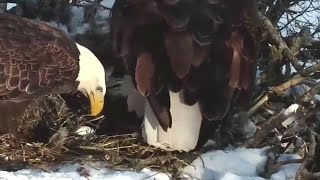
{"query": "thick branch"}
(283, 52)
(278, 9)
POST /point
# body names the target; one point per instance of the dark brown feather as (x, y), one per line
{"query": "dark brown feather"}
(236, 43)
(160, 105)
(32, 54)
(179, 47)
(144, 76)
(200, 54)
(206, 49)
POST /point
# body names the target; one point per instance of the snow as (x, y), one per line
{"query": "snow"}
(11, 5)
(247, 127)
(102, 16)
(258, 73)
(288, 171)
(59, 25)
(291, 109)
(76, 25)
(245, 163)
(107, 3)
(95, 171)
(228, 164)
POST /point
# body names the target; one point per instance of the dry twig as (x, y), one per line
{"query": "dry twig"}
(302, 173)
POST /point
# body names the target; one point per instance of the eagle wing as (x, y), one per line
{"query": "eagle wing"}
(35, 58)
(206, 50)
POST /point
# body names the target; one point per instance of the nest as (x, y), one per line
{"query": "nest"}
(47, 139)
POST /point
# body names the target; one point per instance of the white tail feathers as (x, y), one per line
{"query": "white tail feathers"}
(184, 133)
(186, 121)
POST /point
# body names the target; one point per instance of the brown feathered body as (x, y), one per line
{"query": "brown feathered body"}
(35, 59)
(203, 50)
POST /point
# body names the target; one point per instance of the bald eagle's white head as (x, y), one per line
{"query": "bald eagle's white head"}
(91, 77)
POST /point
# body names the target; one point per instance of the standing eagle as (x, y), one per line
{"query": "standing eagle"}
(191, 60)
(37, 59)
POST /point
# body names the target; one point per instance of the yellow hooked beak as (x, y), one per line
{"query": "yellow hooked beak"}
(96, 103)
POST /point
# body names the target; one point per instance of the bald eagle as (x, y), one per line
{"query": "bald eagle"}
(192, 61)
(37, 59)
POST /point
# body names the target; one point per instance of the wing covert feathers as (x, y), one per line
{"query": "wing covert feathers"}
(34, 58)
(179, 47)
(145, 72)
(205, 50)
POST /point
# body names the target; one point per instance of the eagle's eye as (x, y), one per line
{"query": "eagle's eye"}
(99, 89)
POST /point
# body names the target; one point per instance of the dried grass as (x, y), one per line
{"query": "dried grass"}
(47, 139)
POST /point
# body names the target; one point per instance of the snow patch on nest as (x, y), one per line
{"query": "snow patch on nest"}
(93, 171)
(237, 164)
(219, 164)
(230, 164)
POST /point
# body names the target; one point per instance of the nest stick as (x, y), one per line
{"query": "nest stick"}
(302, 173)
(279, 90)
